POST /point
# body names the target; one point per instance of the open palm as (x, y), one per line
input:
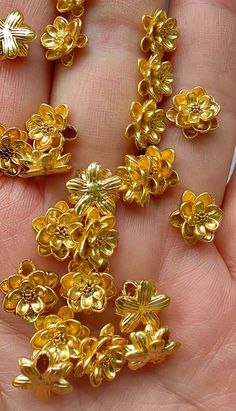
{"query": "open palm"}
(201, 280)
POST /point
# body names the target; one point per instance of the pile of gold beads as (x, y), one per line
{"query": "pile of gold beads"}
(82, 230)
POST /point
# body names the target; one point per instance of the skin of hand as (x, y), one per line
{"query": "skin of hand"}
(200, 280)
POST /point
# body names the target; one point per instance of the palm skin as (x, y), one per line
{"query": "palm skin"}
(200, 280)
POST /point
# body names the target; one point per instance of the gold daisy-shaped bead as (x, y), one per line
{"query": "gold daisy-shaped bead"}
(38, 163)
(75, 6)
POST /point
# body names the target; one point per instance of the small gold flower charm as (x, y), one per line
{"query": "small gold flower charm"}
(139, 304)
(15, 36)
(75, 6)
(151, 345)
(101, 358)
(38, 163)
(29, 292)
(61, 38)
(146, 175)
(198, 217)
(43, 376)
(161, 32)
(148, 123)
(194, 112)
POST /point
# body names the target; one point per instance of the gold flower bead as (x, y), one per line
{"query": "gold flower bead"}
(146, 175)
(57, 231)
(59, 335)
(94, 187)
(194, 112)
(75, 6)
(198, 217)
(161, 32)
(43, 376)
(39, 163)
(86, 290)
(15, 36)
(148, 123)
(61, 38)
(140, 302)
(101, 358)
(151, 345)
(29, 292)
(157, 78)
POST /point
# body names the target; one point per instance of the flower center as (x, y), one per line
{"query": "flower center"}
(62, 232)
(46, 129)
(200, 217)
(87, 288)
(164, 32)
(195, 109)
(6, 152)
(29, 294)
(59, 338)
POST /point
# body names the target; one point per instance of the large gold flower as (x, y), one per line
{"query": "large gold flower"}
(43, 376)
(29, 292)
(13, 150)
(94, 186)
(59, 335)
(160, 32)
(148, 123)
(61, 38)
(86, 290)
(194, 111)
(39, 163)
(198, 217)
(157, 78)
(151, 345)
(49, 128)
(140, 302)
(57, 231)
(102, 357)
(14, 36)
(75, 6)
(149, 174)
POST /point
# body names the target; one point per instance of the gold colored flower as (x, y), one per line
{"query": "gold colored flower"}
(140, 302)
(161, 32)
(94, 186)
(157, 78)
(198, 217)
(61, 38)
(59, 335)
(101, 358)
(49, 128)
(57, 231)
(39, 163)
(29, 292)
(75, 6)
(15, 36)
(149, 174)
(151, 345)
(148, 123)
(86, 290)
(194, 111)
(98, 239)
(43, 376)
(13, 151)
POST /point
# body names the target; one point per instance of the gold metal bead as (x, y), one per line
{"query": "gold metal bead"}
(43, 376)
(39, 163)
(61, 38)
(194, 112)
(139, 304)
(146, 175)
(198, 217)
(15, 36)
(29, 292)
(75, 6)
(161, 32)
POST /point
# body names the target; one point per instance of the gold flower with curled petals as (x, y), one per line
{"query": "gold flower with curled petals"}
(59, 335)
(43, 376)
(39, 163)
(161, 32)
(194, 112)
(86, 290)
(148, 123)
(101, 358)
(75, 6)
(61, 38)
(157, 78)
(140, 302)
(57, 231)
(198, 217)
(146, 175)
(14, 36)
(94, 187)
(49, 128)
(149, 346)
(29, 292)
